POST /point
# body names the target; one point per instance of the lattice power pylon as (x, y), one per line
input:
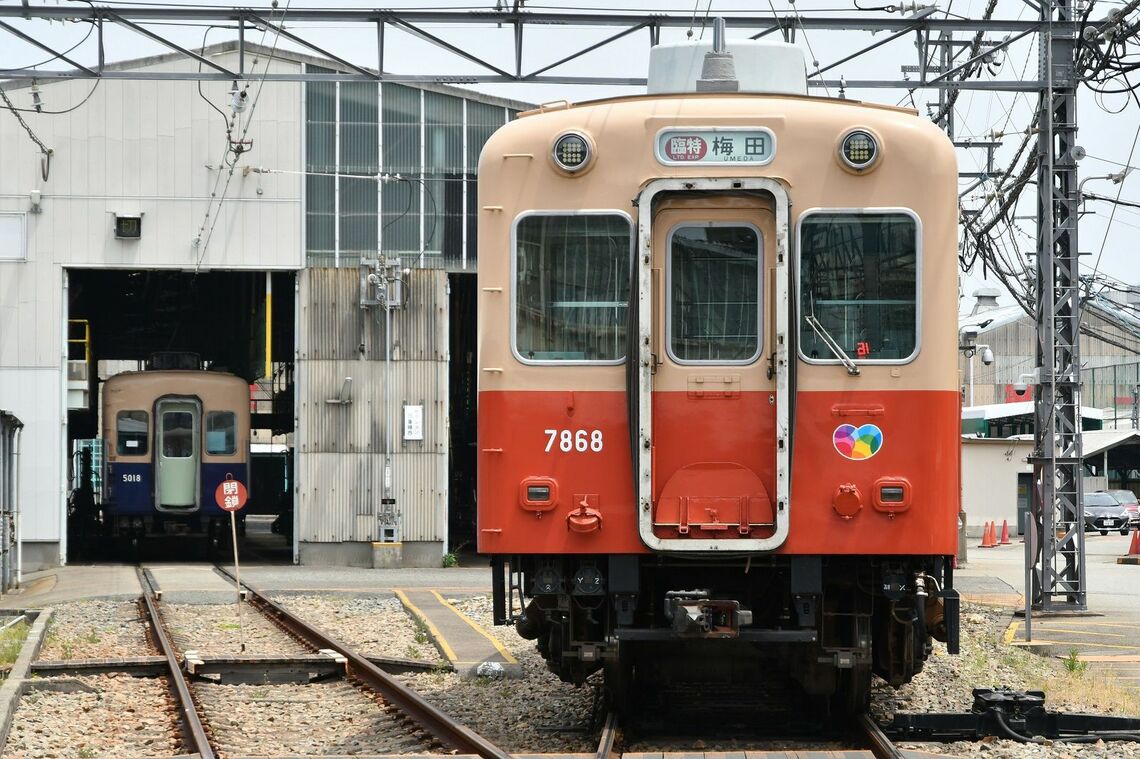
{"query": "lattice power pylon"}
(1059, 565)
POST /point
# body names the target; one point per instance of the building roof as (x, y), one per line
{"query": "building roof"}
(255, 50)
(993, 318)
(1020, 408)
(996, 318)
(1095, 442)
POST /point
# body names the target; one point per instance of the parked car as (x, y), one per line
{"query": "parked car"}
(1104, 513)
(1128, 500)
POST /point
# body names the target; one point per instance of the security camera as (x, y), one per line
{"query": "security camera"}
(969, 334)
(1020, 387)
(987, 356)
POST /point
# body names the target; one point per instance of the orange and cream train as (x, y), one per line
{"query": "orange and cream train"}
(718, 394)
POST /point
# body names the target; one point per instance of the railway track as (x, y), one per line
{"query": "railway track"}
(866, 732)
(194, 731)
(300, 692)
(449, 732)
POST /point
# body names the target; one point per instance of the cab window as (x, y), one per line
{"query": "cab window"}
(221, 433)
(859, 280)
(572, 287)
(131, 431)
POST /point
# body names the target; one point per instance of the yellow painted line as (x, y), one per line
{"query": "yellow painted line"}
(431, 628)
(498, 646)
(1086, 632)
(1079, 643)
(1123, 658)
(1045, 624)
(1010, 632)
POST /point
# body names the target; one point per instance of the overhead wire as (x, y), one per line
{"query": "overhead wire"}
(203, 240)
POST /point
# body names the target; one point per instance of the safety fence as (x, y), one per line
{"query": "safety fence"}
(10, 428)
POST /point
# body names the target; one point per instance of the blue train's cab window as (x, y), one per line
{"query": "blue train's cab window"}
(859, 280)
(132, 430)
(177, 434)
(572, 286)
(714, 293)
(221, 433)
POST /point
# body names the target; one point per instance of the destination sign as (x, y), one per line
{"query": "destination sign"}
(716, 146)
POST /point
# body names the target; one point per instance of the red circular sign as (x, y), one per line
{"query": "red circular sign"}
(231, 495)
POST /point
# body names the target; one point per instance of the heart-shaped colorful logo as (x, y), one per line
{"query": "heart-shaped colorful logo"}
(857, 443)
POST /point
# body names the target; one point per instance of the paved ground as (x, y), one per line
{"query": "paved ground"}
(100, 580)
(1108, 637)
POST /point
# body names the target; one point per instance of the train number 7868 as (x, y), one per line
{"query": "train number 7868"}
(568, 441)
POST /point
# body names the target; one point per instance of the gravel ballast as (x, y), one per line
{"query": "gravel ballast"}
(373, 625)
(96, 629)
(112, 716)
(215, 630)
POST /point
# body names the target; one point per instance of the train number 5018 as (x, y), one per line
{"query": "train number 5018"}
(569, 441)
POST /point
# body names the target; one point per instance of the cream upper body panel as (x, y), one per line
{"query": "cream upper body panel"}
(916, 171)
(141, 390)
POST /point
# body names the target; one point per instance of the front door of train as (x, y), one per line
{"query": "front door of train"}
(177, 454)
(713, 388)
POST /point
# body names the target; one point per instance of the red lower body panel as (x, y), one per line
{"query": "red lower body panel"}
(872, 472)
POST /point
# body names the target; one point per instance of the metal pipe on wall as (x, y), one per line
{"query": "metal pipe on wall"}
(16, 505)
(269, 330)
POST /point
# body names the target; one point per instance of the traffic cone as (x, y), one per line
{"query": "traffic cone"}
(1134, 549)
(1004, 533)
(987, 536)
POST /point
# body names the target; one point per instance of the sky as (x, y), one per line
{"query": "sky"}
(1109, 124)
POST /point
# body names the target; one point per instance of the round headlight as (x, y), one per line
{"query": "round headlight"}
(572, 152)
(859, 150)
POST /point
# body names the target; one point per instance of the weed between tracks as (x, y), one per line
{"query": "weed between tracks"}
(1069, 683)
(11, 641)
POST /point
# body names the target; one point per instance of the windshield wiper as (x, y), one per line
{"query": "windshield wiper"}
(833, 346)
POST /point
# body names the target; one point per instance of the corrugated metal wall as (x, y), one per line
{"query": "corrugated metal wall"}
(340, 447)
(1013, 345)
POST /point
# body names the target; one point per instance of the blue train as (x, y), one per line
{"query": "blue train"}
(170, 437)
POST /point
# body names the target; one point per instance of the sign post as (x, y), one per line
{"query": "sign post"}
(231, 496)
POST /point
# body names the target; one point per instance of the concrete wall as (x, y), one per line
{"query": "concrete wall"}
(134, 147)
(989, 480)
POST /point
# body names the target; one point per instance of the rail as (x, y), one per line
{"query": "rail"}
(186, 706)
(611, 738)
(447, 730)
(881, 746)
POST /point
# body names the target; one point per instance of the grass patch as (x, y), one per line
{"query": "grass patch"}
(1069, 684)
(11, 641)
(1073, 663)
(423, 635)
(450, 560)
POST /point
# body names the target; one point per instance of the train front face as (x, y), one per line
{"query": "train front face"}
(776, 469)
(171, 437)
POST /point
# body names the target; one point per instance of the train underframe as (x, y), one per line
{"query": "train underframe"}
(829, 621)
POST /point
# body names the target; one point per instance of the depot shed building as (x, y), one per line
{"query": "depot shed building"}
(150, 229)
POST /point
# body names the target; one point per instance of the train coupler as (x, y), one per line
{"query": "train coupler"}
(693, 614)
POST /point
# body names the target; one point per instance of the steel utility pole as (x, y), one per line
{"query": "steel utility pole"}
(1059, 564)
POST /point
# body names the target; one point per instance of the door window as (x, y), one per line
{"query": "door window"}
(177, 434)
(859, 279)
(714, 293)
